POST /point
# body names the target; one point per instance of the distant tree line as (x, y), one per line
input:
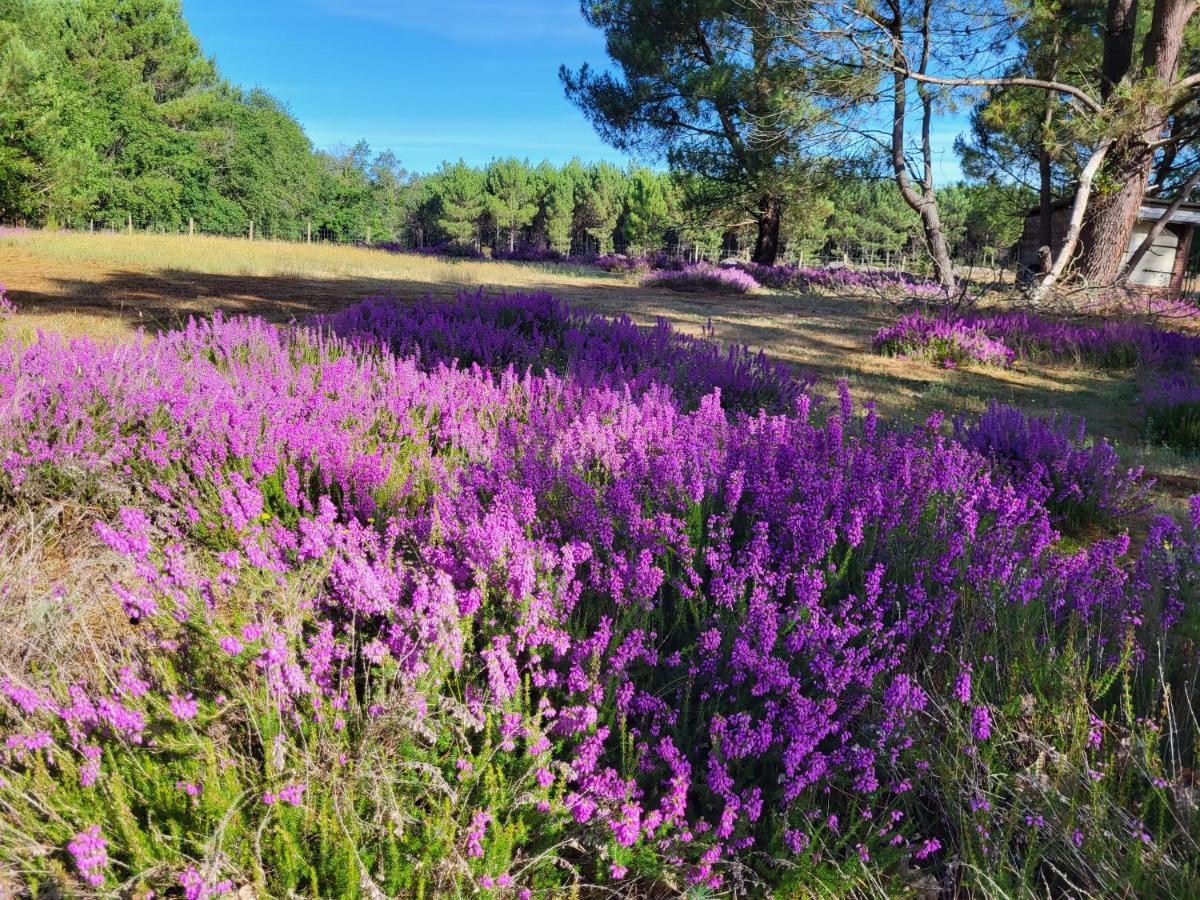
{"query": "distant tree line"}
(1097, 101)
(111, 113)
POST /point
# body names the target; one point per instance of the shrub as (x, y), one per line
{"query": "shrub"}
(541, 333)
(1109, 344)
(407, 628)
(530, 253)
(7, 309)
(1084, 480)
(947, 342)
(791, 277)
(702, 276)
(1172, 408)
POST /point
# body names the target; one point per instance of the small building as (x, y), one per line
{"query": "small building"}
(1162, 270)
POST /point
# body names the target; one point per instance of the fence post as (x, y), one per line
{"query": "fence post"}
(191, 227)
(251, 229)
(308, 233)
(129, 222)
(368, 235)
(91, 224)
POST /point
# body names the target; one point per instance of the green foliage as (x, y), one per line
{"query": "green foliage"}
(1177, 425)
(556, 205)
(599, 200)
(648, 213)
(511, 196)
(458, 190)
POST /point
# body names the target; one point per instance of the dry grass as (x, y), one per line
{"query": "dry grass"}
(110, 285)
(57, 612)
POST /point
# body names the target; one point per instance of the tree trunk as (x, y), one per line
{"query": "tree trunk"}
(1047, 281)
(1112, 218)
(1119, 31)
(943, 266)
(1045, 178)
(1045, 202)
(924, 202)
(766, 246)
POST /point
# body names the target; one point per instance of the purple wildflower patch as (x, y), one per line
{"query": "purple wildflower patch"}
(944, 341)
(703, 276)
(1084, 480)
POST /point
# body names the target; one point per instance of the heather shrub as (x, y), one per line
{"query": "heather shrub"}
(1119, 344)
(795, 278)
(529, 253)
(702, 276)
(1172, 408)
(943, 341)
(7, 309)
(398, 626)
(1084, 480)
(543, 334)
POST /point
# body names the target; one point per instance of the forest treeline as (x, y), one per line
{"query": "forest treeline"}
(111, 113)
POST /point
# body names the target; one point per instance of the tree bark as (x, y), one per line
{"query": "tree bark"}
(1112, 217)
(1046, 283)
(766, 245)
(924, 202)
(1119, 30)
(1045, 202)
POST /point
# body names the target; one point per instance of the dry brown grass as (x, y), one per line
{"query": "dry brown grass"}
(58, 613)
(110, 285)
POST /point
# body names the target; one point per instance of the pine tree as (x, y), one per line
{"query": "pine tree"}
(511, 196)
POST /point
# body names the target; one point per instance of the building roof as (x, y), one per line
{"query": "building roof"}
(1151, 210)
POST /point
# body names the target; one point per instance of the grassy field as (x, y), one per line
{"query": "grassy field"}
(110, 285)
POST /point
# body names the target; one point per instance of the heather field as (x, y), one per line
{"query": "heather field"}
(415, 577)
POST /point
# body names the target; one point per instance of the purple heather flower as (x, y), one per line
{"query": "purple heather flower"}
(183, 708)
(981, 723)
(90, 854)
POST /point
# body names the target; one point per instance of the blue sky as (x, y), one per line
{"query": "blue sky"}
(433, 80)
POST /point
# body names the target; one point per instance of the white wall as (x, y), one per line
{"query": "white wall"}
(1156, 266)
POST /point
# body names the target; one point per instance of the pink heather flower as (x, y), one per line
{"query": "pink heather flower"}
(196, 888)
(962, 686)
(375, 651)
(927, 849)
(188, 787)
(130, 683)
(230, 645)
(89, 772)
(617, 871)
(981, 723)
(475, 833)
(626, 829)
(183, 708)
(90, 855)
(795, 840)
(544, 777)
(293, 794)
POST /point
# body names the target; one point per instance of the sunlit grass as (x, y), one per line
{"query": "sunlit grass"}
(239, 256)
